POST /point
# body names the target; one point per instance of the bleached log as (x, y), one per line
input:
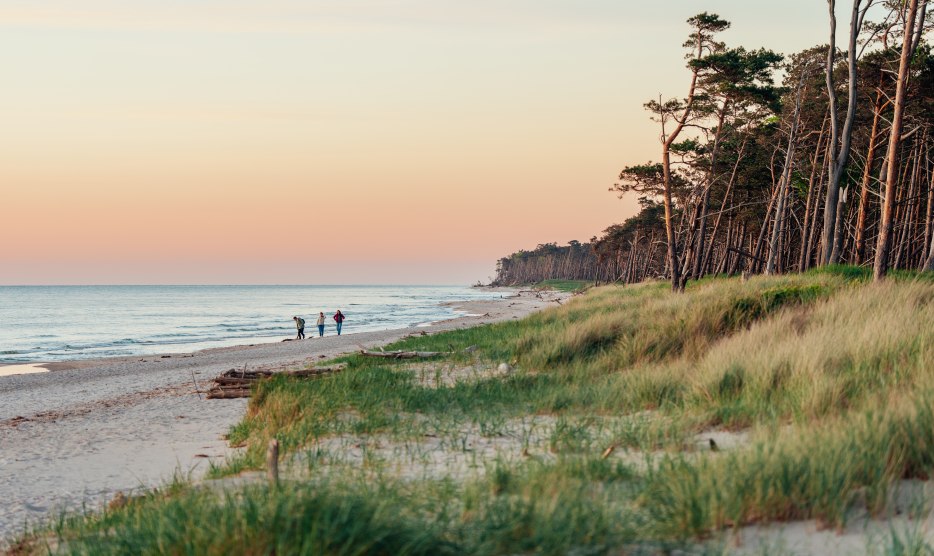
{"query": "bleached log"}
(403, 354)
(317, 370)
(228, 393)
(234, 381)
(238, 383)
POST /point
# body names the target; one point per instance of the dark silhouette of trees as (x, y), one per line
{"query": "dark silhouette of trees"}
(833, 165)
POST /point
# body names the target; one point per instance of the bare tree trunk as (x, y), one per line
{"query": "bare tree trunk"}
(721, 268)
(903, 253)
(830, 253)
(726, 200)
(883, 244)
(928, 240)
(811, 205)
(860, 254)
(815, 222)
(786, 177)
(711, 173)
(669, 228)
(753, 264)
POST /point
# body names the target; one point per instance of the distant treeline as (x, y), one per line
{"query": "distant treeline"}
(627, 252)
(834, 165)
(575, 261)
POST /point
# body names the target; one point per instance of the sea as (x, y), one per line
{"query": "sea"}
(65, 323)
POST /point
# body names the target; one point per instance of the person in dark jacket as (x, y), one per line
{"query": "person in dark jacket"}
(300, 325)
(339, 319)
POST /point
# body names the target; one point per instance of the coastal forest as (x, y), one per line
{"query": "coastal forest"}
(776, 163)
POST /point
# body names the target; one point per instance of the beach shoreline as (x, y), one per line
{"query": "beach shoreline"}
(84, 363)
(78, 434)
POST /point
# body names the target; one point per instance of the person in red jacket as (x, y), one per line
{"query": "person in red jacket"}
(339, 319)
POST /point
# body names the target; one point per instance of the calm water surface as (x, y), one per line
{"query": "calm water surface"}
(56, 323)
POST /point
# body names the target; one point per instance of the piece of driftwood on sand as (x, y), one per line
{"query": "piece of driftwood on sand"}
(239, 383)
(403, 354)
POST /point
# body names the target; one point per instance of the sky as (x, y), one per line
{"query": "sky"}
(331, 141)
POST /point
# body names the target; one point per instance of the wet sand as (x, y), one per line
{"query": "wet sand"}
(85, 430)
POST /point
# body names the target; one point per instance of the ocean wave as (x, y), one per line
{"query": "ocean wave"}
(125, 341)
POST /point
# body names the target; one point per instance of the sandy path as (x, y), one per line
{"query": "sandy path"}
(78, 436)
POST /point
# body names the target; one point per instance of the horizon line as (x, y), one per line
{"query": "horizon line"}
(231, 285)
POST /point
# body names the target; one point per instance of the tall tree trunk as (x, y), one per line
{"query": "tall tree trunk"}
(864, 194)
(883, 244)
(673, 263)
(811, 205)
(756, 254)
(711, 173)
(830, 253)
(786, 177)
(815, 222)
(904, 252)
(928, 240)
(726, 201)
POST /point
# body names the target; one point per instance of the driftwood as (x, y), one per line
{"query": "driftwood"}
(228, 393)
(239, 383)
(411, 354)
(403, 354)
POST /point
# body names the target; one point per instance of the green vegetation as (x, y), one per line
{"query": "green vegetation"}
(564, 285)
(817, 388)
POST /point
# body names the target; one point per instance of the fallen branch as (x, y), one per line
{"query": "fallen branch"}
(404, 354)
(228, 393)
(239, 384)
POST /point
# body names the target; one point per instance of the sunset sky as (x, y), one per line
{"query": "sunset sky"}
(331, 141)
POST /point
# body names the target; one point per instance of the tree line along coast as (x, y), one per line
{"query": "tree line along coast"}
(831, 165)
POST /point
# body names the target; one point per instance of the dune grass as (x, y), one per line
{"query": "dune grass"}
(830, 377)
(564, 285)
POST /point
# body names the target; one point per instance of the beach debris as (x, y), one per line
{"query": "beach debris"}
(17, 420)
(197, 388)
(504, 368)
(239, 383)
(403, 354)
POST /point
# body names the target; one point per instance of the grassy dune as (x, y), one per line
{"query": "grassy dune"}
(595, 442)
(564, 285)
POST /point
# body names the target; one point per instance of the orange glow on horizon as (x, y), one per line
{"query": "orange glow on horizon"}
(248, 142)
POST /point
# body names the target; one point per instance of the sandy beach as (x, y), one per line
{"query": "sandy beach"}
(76, 435)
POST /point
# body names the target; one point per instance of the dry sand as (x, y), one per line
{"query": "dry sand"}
(77, 435)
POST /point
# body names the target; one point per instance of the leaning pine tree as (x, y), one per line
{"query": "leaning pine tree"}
(679, 113)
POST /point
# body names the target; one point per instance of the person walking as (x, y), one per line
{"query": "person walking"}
(300, 325)
(321, 324)
(339, 319)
